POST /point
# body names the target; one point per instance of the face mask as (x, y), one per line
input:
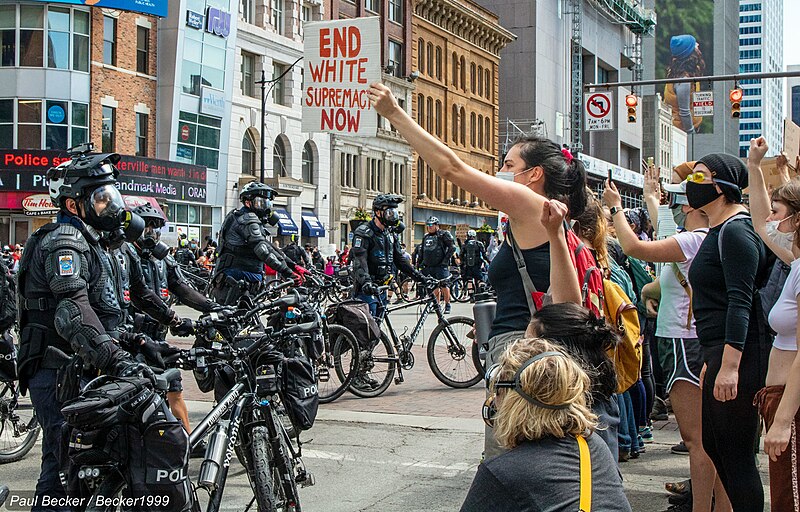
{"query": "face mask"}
(390, 217)
(508, 175)
(679, 216)
(104, 209)
(700, 195)
(130, 231)
(150, 237)
(779, 238)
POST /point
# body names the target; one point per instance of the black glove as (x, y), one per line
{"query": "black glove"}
(151, 351)
(130, 368)
(369, 289)
(182, 327)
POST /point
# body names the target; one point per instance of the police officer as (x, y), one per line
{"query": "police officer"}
(376, 251)
(244, 249)
(185, 254)
(67, 296)
(473, 257)
(438, 247)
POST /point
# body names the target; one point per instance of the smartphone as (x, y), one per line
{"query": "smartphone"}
(649, 161)
(610, 176)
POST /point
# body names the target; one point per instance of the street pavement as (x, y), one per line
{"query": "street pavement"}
(415, 448)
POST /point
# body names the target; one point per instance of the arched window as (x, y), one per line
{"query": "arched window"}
(429, 179)
(249, 160)
(472, 129)
(430, 58)
(421, 55)
(308, 163)
(438, 62)
(480, 82)
(487, 132)
(429, 107)
(420, 176)
(472, 77)
(463, 126)
(439, 119)
(438, 191)
(462, 71)
(488, 85)
(454, 116)
(279, 158)
(480, 132)
(454, 70)
(420, 110)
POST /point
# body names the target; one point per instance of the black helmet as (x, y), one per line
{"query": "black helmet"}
(150, 214)
(386, 201)
(256, 189)
(71, 179)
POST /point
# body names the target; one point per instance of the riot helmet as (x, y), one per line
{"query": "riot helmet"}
(385, 208)
(150, 241)
(260, 197)
(472, 234)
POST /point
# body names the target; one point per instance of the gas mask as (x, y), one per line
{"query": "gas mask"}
(261, 206)
(104, 209)
(489, 409)
(390, 217)
(150, 243)
(130, 230)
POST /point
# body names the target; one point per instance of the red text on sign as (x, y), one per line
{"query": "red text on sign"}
(346, 42)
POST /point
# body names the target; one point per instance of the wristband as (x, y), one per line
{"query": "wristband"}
(615, 210)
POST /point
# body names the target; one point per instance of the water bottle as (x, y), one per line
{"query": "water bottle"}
(483, 311)
(214, 458)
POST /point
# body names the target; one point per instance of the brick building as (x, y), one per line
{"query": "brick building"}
(456, 47)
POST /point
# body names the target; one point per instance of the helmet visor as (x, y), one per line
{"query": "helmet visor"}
(391, 216)
(106, 201)
(261, 204)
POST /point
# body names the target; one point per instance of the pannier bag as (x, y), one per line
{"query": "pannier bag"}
(300, 393)
(98, 407)
(8, 358)
(355, 315)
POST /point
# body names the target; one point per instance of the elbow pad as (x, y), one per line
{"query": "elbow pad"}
(95, 347)
(268, 256)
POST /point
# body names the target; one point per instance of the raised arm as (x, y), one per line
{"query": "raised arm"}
(760, 204)
(564, 283)
(652, 195)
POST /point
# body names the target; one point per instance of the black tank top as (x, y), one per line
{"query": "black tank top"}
(513, 313)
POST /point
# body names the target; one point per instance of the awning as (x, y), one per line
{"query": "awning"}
(312, 227)
(286, 225)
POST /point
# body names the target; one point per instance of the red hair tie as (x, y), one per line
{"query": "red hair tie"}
(567, 155)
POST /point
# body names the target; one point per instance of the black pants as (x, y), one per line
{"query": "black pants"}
(730, 429)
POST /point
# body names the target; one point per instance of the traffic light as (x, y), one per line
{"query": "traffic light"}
(631, 101)
(736, 96)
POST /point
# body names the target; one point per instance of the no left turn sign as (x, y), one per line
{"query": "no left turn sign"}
(598, 110)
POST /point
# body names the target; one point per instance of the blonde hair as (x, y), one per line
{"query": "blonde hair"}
(551, 380)
(592, 226)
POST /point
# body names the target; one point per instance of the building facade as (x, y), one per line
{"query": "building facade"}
(456, 53)
(362, 168)
(297, 165)
(793, 95)
(761, 51)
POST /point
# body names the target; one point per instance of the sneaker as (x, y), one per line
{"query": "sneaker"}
(646, 434)
(659, 411)
(447, 309)
(680, 449)
(635, 454)
(199, 451)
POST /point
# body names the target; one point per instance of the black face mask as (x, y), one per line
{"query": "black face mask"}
(700, 195)
(130, 230)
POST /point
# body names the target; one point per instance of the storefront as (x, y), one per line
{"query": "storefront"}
(177, 188)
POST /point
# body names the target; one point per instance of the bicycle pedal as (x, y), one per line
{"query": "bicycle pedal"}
(306, 480)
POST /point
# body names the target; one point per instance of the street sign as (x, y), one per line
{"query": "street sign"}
(598, 111)
(703, 103)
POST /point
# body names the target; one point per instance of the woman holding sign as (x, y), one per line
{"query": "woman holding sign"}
(534, 170)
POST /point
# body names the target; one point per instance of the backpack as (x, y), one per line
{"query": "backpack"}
(356, 316)
(470, 252)
(621, 314)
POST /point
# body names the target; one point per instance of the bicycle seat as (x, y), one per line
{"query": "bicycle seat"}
(164, 378)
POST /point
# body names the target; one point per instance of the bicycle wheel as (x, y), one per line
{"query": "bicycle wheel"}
(375, 370)
(465, 290)
(335, 369)
(269, 493)
(19, 427)
(452, 356)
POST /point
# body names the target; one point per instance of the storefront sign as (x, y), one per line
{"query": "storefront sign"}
(39, 204)
(212, 103)
(27, 170)
(600, 168)
(156, 7)
(194, 20)
(218, 22)
(342, 58)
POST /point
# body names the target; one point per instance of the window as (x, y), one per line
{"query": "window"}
(349, 165)
(472, 77)
(279, 158)
(749, 54)
(487, 84)
(143, 50)
(80, 40)
(56, 125)
(248, 74)
(308, 163)
(750, 30)
(454, 69)
(420, 177)
(372, 5)
(480, 81)
(429, 107)
(8, 35)
(438, 62)
(462, 70)
(279, 88)
(308, 13)
(480, 132)
(249, 162)
(201, 147)
(398, 177)
(141, 134)
(430, 58)
(421, 56)
(395, 58)
(32, 42)
(80, 123)
(437, 191)
(249, 11)
(58, 37)
(420, 110)
(109, 40)
(375, 171)
(487, 133)
(203, 62)
(472, 129)
(454, 134)
(109, 127)
(31, 36)
(6, 123)
(750, 19)
(463, 126)
(277, 16)
(438, 118)
(396, 11)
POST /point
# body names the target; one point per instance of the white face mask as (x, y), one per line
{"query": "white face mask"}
(509, 176)
(779, 238)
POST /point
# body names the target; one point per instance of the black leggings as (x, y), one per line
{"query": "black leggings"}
(730, 429)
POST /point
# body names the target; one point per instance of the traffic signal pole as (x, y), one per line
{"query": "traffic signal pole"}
(693, 79)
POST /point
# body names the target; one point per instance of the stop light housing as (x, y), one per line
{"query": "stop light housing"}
(736, 96)
(631, 101)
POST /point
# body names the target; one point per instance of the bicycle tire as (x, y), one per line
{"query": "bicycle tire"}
(267, 487)
(459, 370)
(463, 290)
(381, 356)
(343, 342)
(27, 441)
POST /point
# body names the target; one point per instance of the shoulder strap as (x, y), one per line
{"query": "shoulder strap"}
(586, 475)
(738, 216)
(527, 282)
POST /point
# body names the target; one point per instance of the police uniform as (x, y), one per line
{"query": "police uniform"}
(437, 249)
(473, 256)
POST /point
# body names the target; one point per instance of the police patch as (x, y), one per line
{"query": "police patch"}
(66, 267)
(357, 242)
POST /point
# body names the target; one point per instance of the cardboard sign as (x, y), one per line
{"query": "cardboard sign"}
(791, 140)
(342, 58)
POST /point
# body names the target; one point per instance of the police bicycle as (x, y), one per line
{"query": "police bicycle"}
(19, 428)
(452, 355)
(244, 422)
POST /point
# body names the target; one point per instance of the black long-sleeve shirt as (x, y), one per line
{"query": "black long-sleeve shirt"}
(723, 288)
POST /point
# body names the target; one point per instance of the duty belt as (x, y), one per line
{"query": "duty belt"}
(40, 304)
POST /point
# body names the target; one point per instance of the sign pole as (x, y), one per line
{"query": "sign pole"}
(263, 83)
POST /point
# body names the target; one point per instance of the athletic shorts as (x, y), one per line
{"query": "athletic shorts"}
(436, 272)
(175, 385)
(681, 359)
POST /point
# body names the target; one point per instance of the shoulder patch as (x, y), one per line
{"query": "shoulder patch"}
(66, 265)
(357, 241)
